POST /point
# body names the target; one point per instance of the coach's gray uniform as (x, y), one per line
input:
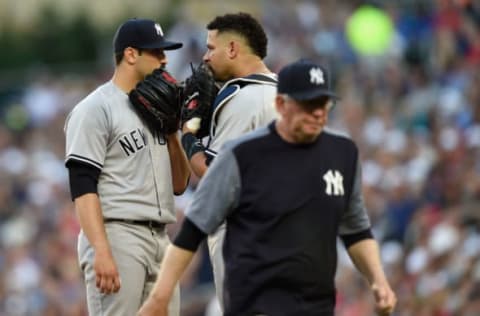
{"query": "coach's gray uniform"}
(252, 107)
(135, 183)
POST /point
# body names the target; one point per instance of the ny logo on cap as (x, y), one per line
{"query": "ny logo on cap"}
(158, 28)
(316, 76)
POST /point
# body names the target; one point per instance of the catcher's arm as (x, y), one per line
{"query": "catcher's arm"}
(196, 153)
(198, 97)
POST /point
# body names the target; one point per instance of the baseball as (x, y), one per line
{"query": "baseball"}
(194, 124)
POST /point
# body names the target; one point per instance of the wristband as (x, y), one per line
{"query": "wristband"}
(210, 154)
(191, 145)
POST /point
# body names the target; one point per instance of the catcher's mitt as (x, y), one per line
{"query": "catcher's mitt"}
(198, 95)
(156, 101)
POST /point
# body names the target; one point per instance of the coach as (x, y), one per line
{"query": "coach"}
(286, 192)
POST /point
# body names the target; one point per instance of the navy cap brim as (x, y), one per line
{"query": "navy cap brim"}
(166, 45)
(306, 96)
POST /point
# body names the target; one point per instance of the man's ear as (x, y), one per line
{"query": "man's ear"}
(233, 48)
(130, 55)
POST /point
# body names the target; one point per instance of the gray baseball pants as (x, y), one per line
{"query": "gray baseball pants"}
(138, 251)
(215, 248)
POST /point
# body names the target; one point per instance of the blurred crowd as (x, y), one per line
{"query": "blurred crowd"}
(413, 110)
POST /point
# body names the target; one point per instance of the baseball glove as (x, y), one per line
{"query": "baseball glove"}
(156, 100)
(199, 94)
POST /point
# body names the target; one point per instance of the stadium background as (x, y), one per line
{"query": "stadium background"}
(413, 107)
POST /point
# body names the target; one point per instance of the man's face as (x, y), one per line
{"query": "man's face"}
(216, 55)
(304, 120)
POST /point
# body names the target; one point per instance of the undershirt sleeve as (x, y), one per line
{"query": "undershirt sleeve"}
(189, 237)
(350, 239)
(83, 178)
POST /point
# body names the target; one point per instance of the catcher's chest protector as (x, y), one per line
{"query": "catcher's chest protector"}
(230, 89)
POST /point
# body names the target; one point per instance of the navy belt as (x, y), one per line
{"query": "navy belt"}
(151, 224)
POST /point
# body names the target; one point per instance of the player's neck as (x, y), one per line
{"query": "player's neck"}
(123, 80)
(252, 66)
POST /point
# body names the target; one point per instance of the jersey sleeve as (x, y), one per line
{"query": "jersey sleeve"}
(245, 112)
(217, 194)
(355, 218)
(267, 111)
(86, 133)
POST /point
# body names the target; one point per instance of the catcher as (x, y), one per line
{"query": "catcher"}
(237, 45)
(125, 163)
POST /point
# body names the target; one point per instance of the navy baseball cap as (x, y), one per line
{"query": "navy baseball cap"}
(141, 33)
(304, 80)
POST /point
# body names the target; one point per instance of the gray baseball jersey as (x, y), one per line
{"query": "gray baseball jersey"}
(135, 180)
(252, 107)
